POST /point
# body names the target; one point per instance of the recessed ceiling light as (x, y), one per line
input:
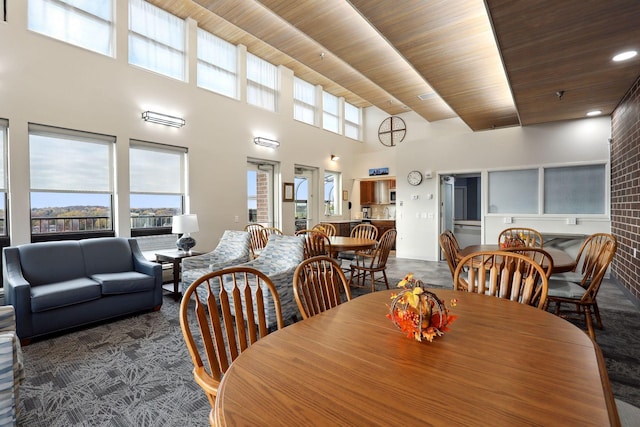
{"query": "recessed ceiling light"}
(594, 113)
(625, 55)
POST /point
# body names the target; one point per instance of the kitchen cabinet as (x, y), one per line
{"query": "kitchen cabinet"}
(383, 225)
(376, 192)
(367, 193)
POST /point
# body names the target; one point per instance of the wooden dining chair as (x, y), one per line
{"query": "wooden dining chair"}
(520, 236)
(594, 257)
(318, 285)
(221, 314)
(503, 274)
(315, 243)
(450, 248)
(539, 255)
(375, 262)
(258, 241)
(361, 231)
(326, 228)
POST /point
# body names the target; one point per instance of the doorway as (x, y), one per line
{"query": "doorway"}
(305, 196)
(261, 192)
(461, 207)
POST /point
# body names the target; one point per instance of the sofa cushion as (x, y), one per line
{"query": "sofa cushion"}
(124, 283)
(61, 294)
(51, 262)
(111, 255)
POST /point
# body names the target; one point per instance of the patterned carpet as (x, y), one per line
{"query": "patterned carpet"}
(136, 372)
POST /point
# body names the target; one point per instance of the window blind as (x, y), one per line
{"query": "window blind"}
(70, 161)
(156, 168)
(217, 64)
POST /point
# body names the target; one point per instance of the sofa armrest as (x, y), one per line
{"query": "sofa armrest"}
(17, 291)
(142, 264)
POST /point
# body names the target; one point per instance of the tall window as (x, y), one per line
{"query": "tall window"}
(332, 193)
(262, 83)
(304, 101)
(352, 121)
(3, 177)
(217, 65)
(84, 23)
(71, 181)
(156, 40)
(330, 112)
(156, 193)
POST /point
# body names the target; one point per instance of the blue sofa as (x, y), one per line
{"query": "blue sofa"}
(59, 285)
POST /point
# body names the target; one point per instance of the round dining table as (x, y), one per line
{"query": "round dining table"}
(342, 243)
(562, 261)
(502, 363)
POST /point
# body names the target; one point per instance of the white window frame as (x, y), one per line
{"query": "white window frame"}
(305, 104)
(332, 203)
(75, 169)
(217, 65)
(352, 121)
(330, 112)
(262, 83)
(75, 22)
(157, 40)
(148, 181)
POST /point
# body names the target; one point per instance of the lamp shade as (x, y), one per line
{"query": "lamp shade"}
(184, 224)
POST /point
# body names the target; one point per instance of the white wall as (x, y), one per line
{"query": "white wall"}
(449, 146)
(46, 81)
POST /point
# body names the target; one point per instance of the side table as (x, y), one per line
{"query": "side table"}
(175, 257)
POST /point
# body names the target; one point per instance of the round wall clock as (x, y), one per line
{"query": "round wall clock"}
(392, 131)
(414, 177)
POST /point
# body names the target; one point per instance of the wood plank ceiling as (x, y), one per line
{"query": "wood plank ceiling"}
(493, 63)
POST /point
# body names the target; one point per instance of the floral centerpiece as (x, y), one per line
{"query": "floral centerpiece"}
(419, 313)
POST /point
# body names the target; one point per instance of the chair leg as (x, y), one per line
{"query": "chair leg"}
(373, 281)
(589, 320)
(384, 274)
(597, 313)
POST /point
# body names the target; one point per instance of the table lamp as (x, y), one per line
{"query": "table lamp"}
(185, 224)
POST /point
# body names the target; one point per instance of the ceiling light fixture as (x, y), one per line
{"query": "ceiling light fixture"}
(334, 158)
(163, 119)
(623, 56)
(266, 142)
(594, 113)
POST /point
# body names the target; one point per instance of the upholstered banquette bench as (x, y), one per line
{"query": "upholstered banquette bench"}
(59, 285)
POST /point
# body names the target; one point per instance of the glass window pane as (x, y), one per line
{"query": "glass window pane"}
(513, 192)
(156, 40)
(332, 193)
(304, 104)
(575, 190)
(262, 83)
(84, 23)
(217, 64)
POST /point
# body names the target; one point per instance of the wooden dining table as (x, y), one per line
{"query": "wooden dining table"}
(562, 261)
(502, 363)
(344, 244)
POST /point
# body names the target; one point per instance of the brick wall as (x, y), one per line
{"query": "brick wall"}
(263, 197)
(625, 189)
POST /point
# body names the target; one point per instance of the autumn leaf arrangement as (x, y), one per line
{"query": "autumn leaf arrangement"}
(419, 313)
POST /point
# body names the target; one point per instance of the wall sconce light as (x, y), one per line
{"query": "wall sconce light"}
(335, 158)
(265, 142)
(163, 119)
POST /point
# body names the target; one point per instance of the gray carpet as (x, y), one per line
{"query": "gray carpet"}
(136, 372)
